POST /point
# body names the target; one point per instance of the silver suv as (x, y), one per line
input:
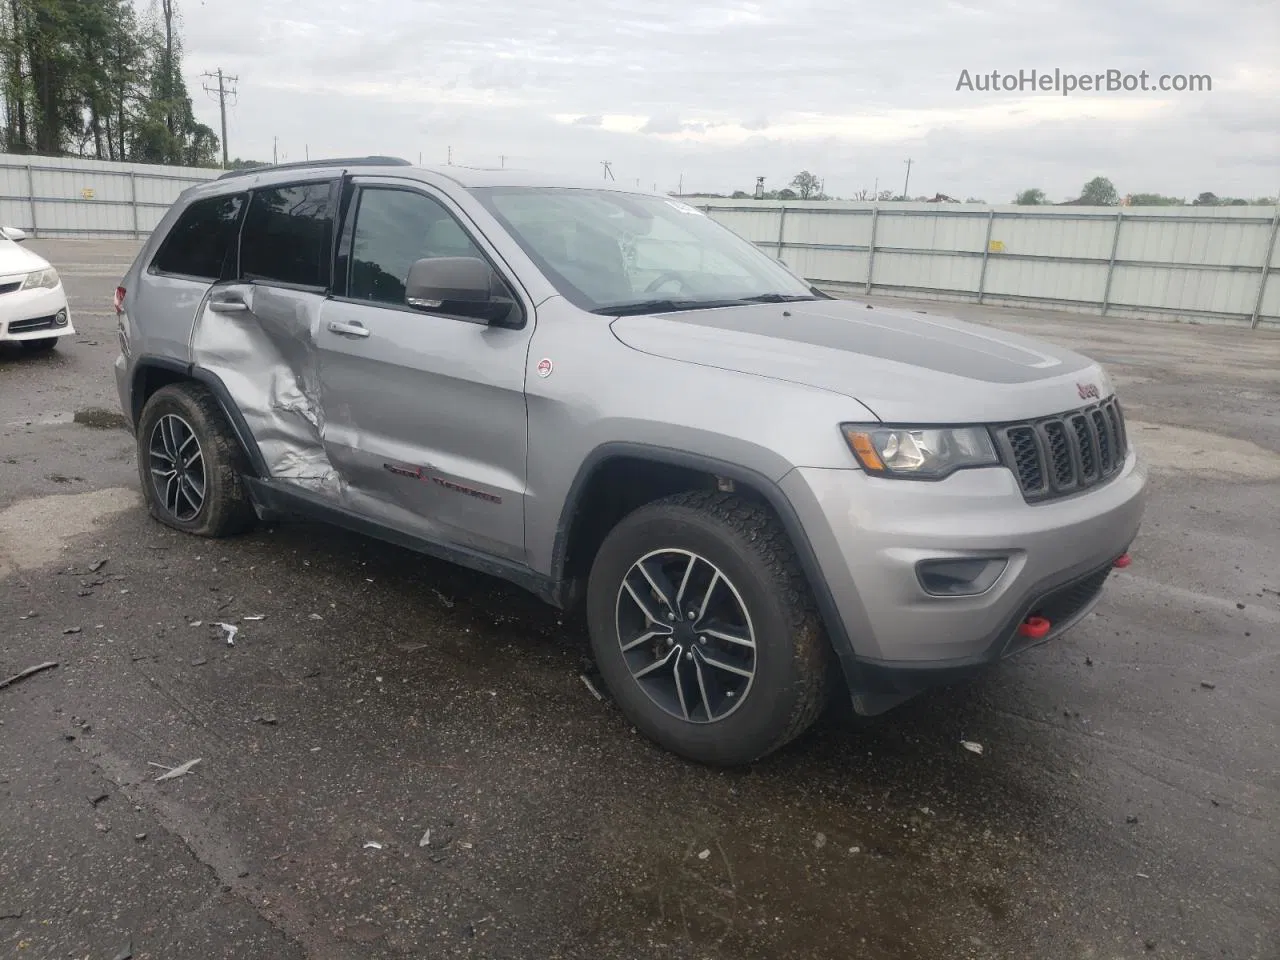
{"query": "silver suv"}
(756, 493)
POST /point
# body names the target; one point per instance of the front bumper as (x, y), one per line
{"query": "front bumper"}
(869, 534)
(32, 314)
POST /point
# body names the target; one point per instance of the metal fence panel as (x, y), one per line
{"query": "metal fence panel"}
(69, 197)
(1203, 264)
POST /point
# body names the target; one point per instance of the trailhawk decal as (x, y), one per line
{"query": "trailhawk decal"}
(421, 473)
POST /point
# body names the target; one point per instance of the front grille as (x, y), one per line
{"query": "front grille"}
(1061, 455)
(26, 326)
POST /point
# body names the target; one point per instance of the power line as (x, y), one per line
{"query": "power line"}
(226, 88)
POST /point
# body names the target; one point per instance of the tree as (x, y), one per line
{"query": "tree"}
(1205, 199)
(85, 77)
(806, 184)
(885, 195)
(1030, 198)
(786, 193)
(1154, 200)
(1099, 192)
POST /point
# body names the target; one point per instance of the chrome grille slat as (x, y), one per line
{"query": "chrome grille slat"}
(1060, 455)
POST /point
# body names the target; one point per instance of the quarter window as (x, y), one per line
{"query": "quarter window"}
(203, 241)
(395, 229)
(287, 234)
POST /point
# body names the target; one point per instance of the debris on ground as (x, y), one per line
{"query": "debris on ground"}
(196, 623)
(372, 845)
(443, 599)
(1143, 876)
(97, 565)
(704, 855)
(586, 681)
(172, 773)
(426, 839)
(30, 615)
(1208, 685)
(266, 720)
(29, 672)
(139, 837)
(8, 913)
(199, 662)
(314, 616)
(99, 798)
(1088, 661)
(1131, 818)
(125, 952)
(229, 630)
(70, 630)
(820, 841)
(972, 746)
(255, 617)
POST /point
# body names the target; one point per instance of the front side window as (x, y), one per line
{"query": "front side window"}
(393, 230)
(286, 236)
(203, 242)
(606, 250)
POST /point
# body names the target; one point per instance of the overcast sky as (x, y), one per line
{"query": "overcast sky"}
(722, 91)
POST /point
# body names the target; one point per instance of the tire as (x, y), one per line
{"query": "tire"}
(742, 549)
(42, 345)
(183, 414)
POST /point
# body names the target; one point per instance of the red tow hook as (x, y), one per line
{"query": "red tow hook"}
(1034, 628)
(1122, 561)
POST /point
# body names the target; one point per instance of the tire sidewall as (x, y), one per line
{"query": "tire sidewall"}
(754, 727)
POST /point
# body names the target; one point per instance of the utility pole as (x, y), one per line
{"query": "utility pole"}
(608, 170)
(450, 155)
(226, 88)
(905, 196)
(875, 191)
(680, 187)
(502, 160)
(275, 151)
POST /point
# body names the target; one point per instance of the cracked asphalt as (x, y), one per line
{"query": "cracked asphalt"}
(1125, 804)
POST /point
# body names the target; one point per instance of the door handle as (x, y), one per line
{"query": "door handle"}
(348, 329)
(229, 305)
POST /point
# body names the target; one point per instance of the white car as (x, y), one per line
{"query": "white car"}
(33, 305)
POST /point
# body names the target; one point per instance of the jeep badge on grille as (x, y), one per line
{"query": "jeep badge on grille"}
(1088, 391)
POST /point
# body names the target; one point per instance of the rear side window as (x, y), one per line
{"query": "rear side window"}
(286, 236)
(202, 243)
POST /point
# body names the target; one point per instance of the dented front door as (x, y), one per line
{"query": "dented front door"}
(424, 414)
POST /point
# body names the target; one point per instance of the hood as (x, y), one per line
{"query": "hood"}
(16, 260)
(904, 366)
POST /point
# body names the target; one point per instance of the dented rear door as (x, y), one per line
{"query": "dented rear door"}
(257, 330)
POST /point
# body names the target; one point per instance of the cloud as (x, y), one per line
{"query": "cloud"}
(726, 90)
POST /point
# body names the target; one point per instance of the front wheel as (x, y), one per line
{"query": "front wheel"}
(705, 630)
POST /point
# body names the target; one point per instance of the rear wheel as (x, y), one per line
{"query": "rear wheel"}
(190, 463)
(42, 345)
(705, 630)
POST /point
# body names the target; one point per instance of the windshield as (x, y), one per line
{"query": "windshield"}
(607, 251)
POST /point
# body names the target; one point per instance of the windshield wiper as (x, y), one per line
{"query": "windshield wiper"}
(779, 298)
(666, 305)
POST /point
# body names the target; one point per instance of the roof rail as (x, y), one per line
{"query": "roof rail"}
(305, 164)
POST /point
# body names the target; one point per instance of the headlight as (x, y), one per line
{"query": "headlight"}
(41, 279)
(919, 453)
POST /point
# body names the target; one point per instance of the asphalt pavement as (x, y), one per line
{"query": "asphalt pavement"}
(398, 758)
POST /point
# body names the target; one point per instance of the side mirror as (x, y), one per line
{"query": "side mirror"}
(14, 234)
(462, 286)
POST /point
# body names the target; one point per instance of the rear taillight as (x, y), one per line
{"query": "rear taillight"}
(118, 300)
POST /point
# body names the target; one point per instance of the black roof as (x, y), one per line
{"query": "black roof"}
(307, 164)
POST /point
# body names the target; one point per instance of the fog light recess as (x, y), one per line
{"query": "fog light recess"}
(960, 577)
(60, 319)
